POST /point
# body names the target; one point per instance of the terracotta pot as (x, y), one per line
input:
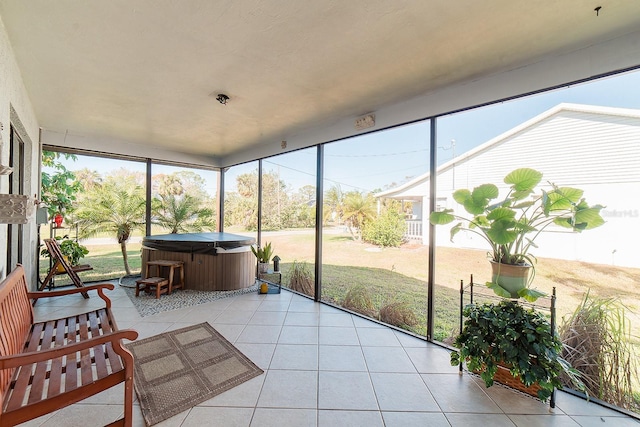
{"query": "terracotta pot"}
(511, 277)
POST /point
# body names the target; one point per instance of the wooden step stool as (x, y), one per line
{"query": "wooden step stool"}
(171, 266)
(160, 284)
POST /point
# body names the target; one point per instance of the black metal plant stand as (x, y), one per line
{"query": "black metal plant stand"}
(546, 304)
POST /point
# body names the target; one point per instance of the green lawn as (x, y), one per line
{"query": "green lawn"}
(400, 274)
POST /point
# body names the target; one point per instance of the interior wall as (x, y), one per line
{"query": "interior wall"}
(16, 109)
(599, 59)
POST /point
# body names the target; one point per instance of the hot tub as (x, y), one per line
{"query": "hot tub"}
(212, 261)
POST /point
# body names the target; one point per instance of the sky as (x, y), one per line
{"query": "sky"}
(375, 161)
(382, 159)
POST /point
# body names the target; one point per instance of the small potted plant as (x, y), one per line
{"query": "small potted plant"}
(263, 254)
(511, 225)
(505, 338)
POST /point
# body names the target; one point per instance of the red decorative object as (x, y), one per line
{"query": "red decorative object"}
(58, 220)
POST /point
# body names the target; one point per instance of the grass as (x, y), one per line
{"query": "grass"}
(392, 271)
(394, 274)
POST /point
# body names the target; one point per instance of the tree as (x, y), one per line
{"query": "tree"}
(193, 184)
(181, 214)
(307, 193)
(333, 200)
(88, 178)
(127, 178)
(181, 202)
(60, 186)
(241, 208)
(114, 208)
(167, 184)
(357, 210)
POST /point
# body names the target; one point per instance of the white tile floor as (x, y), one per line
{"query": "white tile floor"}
(324, 367)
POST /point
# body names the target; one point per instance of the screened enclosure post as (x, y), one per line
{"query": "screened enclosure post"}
(220, 207)
(259, 203)
(552, 401)
(432, 229)
(461, 322)
(319, 214)
(147, 213)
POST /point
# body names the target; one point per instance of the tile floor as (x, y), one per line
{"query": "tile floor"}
(324, 367)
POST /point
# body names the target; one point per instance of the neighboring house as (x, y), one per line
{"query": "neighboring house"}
(593, 148)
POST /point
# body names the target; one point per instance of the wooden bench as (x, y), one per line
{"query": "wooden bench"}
(45, 366)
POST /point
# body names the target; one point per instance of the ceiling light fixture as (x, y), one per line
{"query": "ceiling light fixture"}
(222, 98)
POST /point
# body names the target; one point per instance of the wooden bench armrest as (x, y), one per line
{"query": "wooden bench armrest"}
(100, 287)
(16, 360)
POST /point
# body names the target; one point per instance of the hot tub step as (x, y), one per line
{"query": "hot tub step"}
(158, 284)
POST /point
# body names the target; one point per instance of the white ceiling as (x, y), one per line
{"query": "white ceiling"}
(147, 71)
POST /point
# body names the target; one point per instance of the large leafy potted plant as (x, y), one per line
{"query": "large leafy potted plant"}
(505, 336)
(510, 225)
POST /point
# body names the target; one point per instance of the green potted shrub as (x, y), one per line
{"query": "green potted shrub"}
(506, 336)
(510, 225)
(263, 254)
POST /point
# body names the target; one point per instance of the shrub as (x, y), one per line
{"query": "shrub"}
(596, 340)
(398, 314)
(358, 299)
(386, 230)
(300, 278)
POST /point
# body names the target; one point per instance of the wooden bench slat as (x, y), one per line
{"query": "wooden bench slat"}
(55, 376)
(98, 351)
(70, 369)
(40, 374)
(22, 375)
(86, 376)
(114, 360)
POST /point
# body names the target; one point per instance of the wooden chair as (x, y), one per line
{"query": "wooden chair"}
(59, 260)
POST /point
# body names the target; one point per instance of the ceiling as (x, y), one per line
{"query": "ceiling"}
(148, 71)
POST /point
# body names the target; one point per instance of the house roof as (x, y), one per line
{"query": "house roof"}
(523, 127)
(148, 72)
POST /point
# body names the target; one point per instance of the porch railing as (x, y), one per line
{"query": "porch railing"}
(414, 229)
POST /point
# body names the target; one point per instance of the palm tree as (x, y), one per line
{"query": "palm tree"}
(182, 213)
(115, 209)
(357, 210)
